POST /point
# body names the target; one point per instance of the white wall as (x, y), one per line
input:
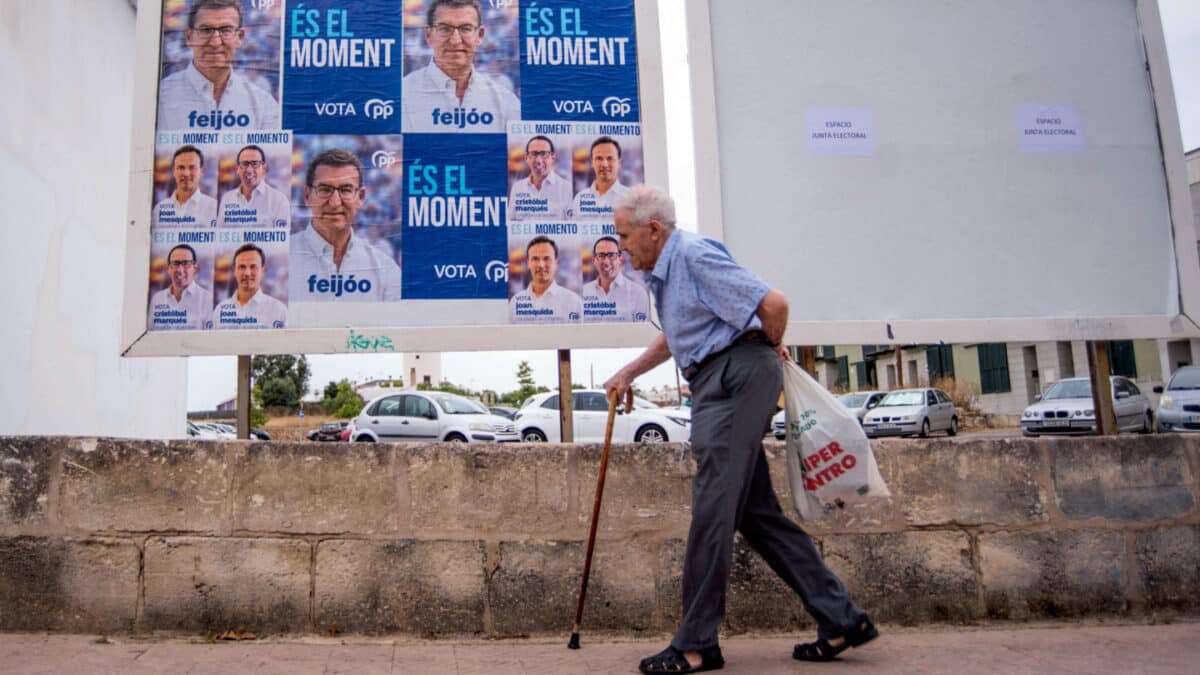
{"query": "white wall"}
(67, 80)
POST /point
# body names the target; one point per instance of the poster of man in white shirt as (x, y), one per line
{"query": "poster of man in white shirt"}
(249, 306)
(612, 295)
(613, 165)
(551, 295)
(542, 194)
(183, 304)
(254, 202)
(209, 93)
(330, 260)
(186, 206)
(464, 73)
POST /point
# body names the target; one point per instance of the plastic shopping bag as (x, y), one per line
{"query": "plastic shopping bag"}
(829, 458)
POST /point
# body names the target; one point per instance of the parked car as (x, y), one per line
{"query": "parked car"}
(858, 402)
(431, 416)
(1179, 406)
(1067, 408)
(330, 431)
(908, 412)
(538, 421)
(503, 411)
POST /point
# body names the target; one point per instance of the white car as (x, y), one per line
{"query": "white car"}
(858, 402)
(537, 420)
(1179, 407)
(1067, 408)
(430, 416)
(907, 412)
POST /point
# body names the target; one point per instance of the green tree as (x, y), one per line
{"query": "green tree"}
(345, 402)
(331, 390)
(281, 379)
(527, 386)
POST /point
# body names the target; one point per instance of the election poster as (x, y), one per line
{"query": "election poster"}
(327, 160)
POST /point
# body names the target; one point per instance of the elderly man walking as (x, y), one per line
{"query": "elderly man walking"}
(724, 327)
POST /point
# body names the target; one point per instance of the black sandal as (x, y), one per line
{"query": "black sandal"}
(822, 650)
(672, 660)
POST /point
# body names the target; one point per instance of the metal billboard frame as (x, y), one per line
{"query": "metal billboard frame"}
(709, 212)
(136, 341)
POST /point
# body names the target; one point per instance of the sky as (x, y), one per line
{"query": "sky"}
(213, 379)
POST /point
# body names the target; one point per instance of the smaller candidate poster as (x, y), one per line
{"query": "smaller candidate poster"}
(541, 184)
(234, 45)
(185, 180)
(612, 291)
(255, 175)
(544, 273)
(461, 73)
(347, 195)
(250, 276)
(181, 279)
(342, 62)
(608, 160)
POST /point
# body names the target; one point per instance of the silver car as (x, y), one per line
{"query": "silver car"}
(1179, 407)
(858, 402)
(908, 412)
(1066, 408)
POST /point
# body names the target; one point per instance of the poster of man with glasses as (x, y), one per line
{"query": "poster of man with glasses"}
(179, 299)
(611, 295)
(221, 66)
(332, 257)
(462, 72)
(253, 200)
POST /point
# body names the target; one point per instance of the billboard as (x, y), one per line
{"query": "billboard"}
(411, 169)
(922, 179)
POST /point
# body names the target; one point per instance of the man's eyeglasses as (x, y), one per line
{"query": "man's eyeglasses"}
(444, 30)
(608, 256)
(346, 192)
(251, 164)
(177, 264)
(540, 154)
(206, 32)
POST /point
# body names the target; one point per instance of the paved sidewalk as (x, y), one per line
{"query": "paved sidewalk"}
(1059, 648)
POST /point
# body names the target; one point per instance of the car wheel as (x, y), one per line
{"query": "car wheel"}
(364, 439)
(1147, 423)
(1030, 434)
(651, 433)
(456, 438)
(953, 430)
(925, 428)
(533, 436)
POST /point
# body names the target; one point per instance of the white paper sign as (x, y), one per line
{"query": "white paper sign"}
(1049, 128)
(840, 131)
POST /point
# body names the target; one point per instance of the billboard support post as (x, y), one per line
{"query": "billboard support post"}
(566, 419)
(899, 367)
(1100, 372)
(243, 397)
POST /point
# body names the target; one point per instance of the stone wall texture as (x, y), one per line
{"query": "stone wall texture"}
(103, 535)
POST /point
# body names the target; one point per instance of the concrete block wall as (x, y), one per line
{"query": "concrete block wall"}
(103, 535)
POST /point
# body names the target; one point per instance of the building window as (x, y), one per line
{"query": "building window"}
(1121, 358)
(428, 380)
(827, 352)
(843, 376)
(941, 362)
(993, 368)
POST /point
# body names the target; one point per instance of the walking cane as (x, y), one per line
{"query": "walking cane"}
(587, 561)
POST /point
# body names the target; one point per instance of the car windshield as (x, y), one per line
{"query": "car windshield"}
(457, 405)
(898, 398)
(1069, 389)
(853, 400)
(1188, 378)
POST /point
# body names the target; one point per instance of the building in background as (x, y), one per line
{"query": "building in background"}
(1004, 377)
(422, 368)
(64, 158)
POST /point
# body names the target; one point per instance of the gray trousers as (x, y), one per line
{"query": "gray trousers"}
(733, 400)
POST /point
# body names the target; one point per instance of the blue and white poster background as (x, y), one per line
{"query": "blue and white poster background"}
(579, 61)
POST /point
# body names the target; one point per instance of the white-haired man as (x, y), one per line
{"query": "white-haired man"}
(725, 327)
